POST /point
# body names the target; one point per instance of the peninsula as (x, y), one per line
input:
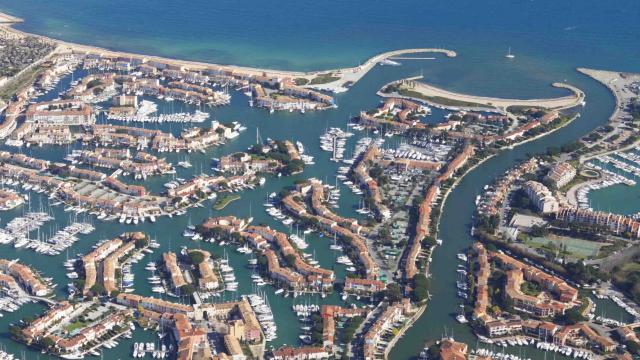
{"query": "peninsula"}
(622, 87)
(414, 89)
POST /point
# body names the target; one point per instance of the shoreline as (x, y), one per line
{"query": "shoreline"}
(405, 328)
(603, 77)
(430, 95)
(9, 19)
(606, 78)
(423, 308)
(347, 75)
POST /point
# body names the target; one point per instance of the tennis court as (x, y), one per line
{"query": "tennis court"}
(579, 248)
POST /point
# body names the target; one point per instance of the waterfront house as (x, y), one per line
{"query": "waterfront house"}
(383, 322)
(452, 350)
(542, 305)
(26, 277)
(561, 174)
(301, 353)
(153, 304)
(61, 112)
(110, 264)
(38, 327)
(175, 274)
(367, 287)
(617, 224)
(541, 197)
(581, 335)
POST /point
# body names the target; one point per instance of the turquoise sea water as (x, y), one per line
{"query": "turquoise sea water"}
(315, 35)
(549, 38)
(620, 199)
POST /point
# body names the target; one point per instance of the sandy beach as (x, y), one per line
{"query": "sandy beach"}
(430, 91)
(347, 76)
(8, 19)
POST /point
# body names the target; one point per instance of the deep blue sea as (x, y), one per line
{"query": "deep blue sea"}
(306, 35)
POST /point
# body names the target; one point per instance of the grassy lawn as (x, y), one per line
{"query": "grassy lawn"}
(577, 248)
(629, 268)
(530, 288)
(300, 81)
(323, 79)
(439, 100)
(224, 201)
(518, 109)
(11, 88)
(75, 325)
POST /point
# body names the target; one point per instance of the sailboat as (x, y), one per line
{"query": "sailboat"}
(509, 54)
(190, 230)
(461, 318)
(335, 245)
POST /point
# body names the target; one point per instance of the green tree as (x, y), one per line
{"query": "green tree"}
(46, 343)
(196, 257)
(385, 235)
(420, 284)
(141, 243)
(570, 317)
(188, 289)
(291, 260)
(98, 289)
(419, 294)
(262, 261)
(633, 347)
(539, 231)
(429, 241)
(434, 352)
(393, 292)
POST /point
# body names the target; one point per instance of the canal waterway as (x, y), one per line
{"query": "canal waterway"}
(455, 226)
(305, 128)
(168, 231)
(618, 198)
(339, 34)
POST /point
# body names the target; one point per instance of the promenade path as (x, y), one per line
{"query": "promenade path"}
(594, 155)
(572, 196)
